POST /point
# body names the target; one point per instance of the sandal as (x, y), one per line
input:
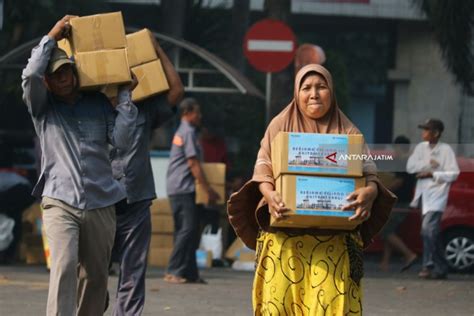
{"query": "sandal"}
(409, 264)
(174, 279)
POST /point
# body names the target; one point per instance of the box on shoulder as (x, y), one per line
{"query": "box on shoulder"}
(97, 32)
(316, 201)
(140, 48)
(151, 80)
(103, 67)
(317, 154)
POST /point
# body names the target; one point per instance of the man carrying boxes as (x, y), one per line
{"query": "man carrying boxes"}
(132, 166)
(76, 181)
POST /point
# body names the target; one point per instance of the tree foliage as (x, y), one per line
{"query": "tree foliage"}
(452, 22)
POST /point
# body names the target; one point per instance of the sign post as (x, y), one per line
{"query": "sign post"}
(269, 46)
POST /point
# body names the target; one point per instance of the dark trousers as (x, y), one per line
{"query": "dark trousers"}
(433, 257)
(132, 240)
(186, 237)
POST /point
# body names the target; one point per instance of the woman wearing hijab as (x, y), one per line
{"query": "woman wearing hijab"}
(307, 271)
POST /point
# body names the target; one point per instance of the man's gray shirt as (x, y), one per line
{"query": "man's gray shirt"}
(75, 165)
(132, 166)
(185, 145)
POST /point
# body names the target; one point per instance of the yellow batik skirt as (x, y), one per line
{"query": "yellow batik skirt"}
(308, 275)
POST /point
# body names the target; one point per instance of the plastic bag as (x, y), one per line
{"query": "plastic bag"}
(212, 242)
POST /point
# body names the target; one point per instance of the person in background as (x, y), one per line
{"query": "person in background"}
(435, 166)
(402, 186)
(132, 167)
(183, 170)
(76, 183)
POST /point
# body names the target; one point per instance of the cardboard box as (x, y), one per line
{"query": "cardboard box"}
(110, 91)
(97, 32)
(215, 176)
(201, 194)
(204, 258)
(214, 172)
(316, 202)
(151, 80)
(317, 154)
(162, 224)
(161, 206)
(238, 251)
(65, 45)
(140, 48)
(159, 257)
(102, 67)
(161, 240)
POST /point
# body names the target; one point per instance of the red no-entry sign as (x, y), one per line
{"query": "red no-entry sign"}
(269, 45)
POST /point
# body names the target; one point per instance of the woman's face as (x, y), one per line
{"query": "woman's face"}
(314, 96)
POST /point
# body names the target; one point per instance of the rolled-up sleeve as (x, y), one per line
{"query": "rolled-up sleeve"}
(121, 126)
(34, 89)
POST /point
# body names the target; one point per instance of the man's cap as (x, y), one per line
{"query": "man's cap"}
(58, 58)
(433, 124)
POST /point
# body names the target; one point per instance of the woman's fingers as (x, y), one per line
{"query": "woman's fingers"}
(351, 206)
(360, 214)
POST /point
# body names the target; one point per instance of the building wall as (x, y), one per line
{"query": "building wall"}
(424, 88)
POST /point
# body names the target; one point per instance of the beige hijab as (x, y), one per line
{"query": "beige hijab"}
(247, 209)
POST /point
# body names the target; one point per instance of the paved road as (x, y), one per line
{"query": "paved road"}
(23, 291)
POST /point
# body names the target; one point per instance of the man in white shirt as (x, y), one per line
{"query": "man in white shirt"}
(435, 166)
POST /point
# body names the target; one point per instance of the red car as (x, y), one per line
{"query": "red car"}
(457, 224)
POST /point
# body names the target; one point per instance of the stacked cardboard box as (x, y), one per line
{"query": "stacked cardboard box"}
(162, 228)
(215, 176)
(98, 46)
(314, 173)
(145, 65)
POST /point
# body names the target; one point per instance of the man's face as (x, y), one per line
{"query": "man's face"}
(194, 117)
(429, 135)
(62, 82)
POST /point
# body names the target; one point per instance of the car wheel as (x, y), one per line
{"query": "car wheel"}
(459, 250)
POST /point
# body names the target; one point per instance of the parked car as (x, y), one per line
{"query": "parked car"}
(457, 223)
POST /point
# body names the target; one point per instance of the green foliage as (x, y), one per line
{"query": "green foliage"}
(452, 23)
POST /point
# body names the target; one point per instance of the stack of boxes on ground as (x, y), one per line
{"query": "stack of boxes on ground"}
(162, 228)
(104, 56)
(314, 173)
